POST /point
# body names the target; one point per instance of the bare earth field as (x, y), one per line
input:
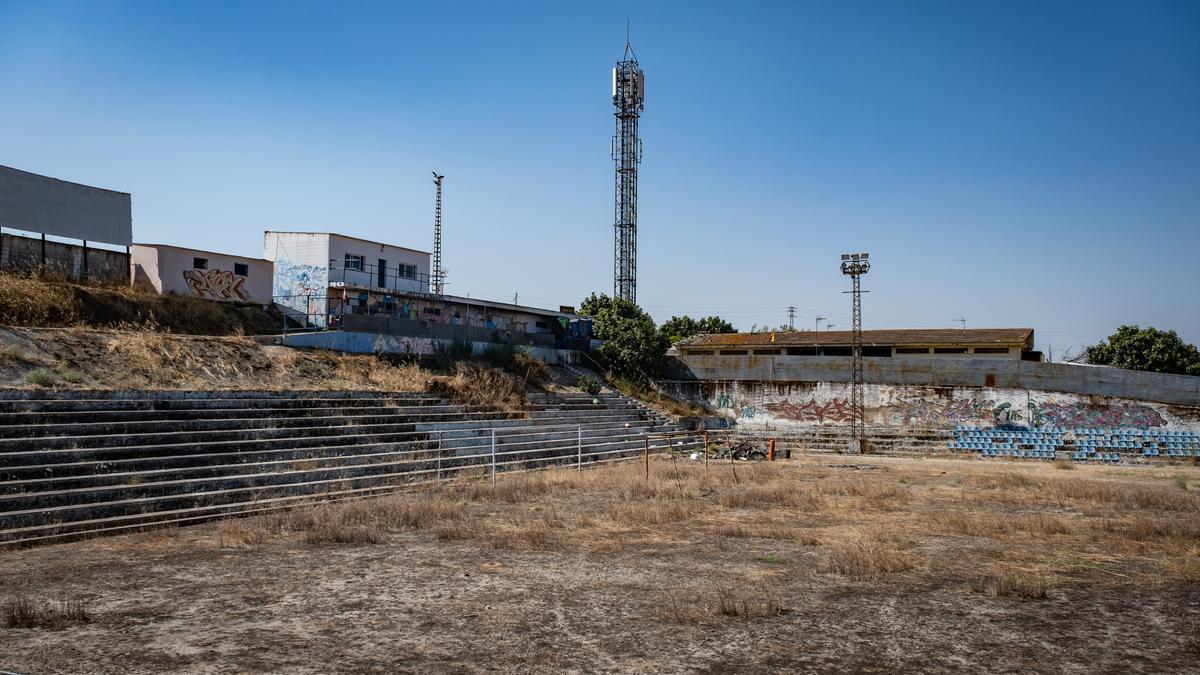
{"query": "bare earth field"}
(821, 563)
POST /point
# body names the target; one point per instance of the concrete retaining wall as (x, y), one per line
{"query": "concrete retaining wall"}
(374, 343)
(24, 254)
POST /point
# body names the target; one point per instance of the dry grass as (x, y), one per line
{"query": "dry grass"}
(475, 383)
(864, 560)
(23, 611)
(724, 601)
(1012, 583)
(1092, 525)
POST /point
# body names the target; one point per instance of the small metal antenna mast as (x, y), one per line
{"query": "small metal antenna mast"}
(438, 276)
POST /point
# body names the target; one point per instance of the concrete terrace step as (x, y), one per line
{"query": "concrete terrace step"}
(109, 502)
(13, 492)
(30, 464)
(78, 462)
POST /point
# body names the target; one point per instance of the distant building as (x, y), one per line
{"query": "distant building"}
(326, 280)
(205, 274)
(1010, 343)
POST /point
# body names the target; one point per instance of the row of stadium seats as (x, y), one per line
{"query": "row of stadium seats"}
(1083, 444)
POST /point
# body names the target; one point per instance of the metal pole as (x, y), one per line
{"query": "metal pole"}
(579, 450)
(83, 275)
(439, 457)
(646, 455)
(706, 452)
(493, 457)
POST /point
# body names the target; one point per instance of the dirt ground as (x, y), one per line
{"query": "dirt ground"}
(823, 563)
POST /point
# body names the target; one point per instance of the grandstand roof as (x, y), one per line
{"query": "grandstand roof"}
(889, 337)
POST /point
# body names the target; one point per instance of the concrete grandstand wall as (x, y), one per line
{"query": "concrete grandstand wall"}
(797, 392)
(927, 372)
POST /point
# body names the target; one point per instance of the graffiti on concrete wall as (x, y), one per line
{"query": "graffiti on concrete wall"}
(1097, 415)
(216, 284)
(918, 410)
(834, 410)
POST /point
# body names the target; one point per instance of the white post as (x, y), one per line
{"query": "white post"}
(493, 456)
(439, 457)
(579, 450)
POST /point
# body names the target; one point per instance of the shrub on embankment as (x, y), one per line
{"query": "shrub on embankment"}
(40, 303)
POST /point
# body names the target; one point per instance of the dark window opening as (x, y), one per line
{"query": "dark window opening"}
(542, 324)
(699, 352)
(733, 352)
(354, 262)
(381, 274)
(836, 351)
(877, 351)
(991, 350)
(949, 350)
(912, 350)
(802, 351)
(766, 352)
(200, 263)
(241, 269)
(435, 311)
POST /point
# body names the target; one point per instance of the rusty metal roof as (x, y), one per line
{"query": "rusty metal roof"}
(890, 337)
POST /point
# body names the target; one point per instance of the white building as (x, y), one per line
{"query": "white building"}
(206, 274)
(312, 265)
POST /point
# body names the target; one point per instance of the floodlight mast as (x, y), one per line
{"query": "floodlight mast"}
(854, 265)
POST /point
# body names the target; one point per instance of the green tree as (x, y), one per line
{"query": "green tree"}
(1146, 349)
(679, 327)
(633, 348)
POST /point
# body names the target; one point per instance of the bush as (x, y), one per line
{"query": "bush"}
(41, 378)
(588, 384)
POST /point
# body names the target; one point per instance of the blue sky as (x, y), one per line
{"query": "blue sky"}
(1014, 163)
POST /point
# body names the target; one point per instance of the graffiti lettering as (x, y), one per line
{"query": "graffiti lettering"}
(1096, 415)
(835, 410)
(748, 411)
(724, 402)
(938, 411)
(216, 284)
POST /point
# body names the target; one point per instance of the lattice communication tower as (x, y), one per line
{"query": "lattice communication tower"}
(628, 89)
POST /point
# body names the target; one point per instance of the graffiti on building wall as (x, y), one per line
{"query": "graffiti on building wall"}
(302, 288)
(216, 284)
(1097, 415)
(834, 410)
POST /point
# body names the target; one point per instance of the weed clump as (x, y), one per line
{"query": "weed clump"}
(864, 560)
(41, 378)
(23, 611)
(1021, 585)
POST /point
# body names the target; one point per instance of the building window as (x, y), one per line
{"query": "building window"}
(435, 311)
(241, 269)
(949, 350)
(802, 351)
(733, 352)
(354, 262)
(766, 352)
(542, 324)
(408, 271)
(991, 350)
(912, 350)
(200, 263)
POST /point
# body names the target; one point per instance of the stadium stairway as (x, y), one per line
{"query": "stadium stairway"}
(76, 463)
